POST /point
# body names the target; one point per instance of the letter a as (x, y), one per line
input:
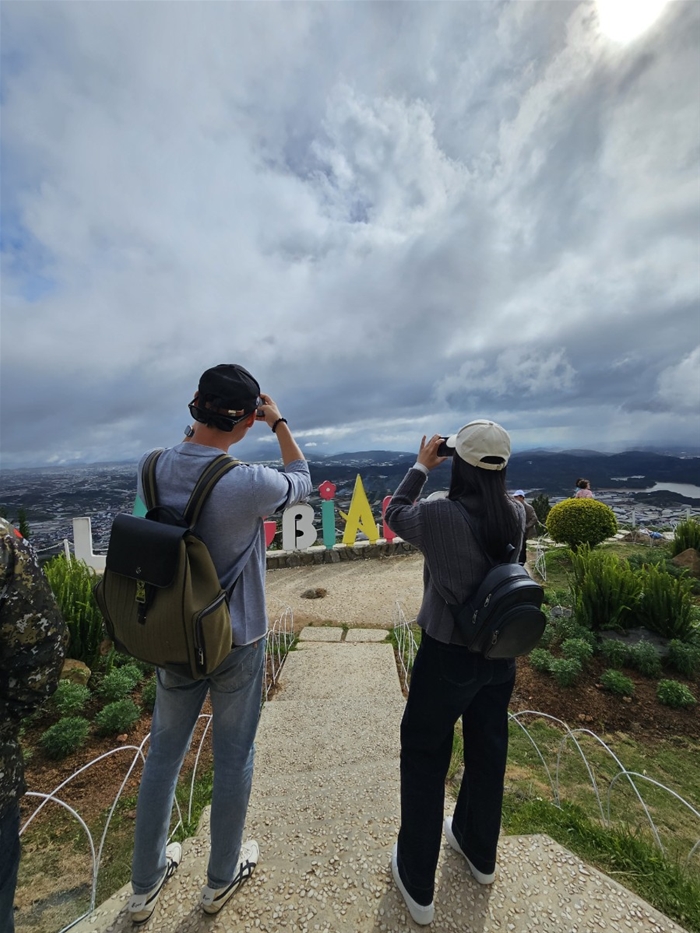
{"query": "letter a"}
(360, 516)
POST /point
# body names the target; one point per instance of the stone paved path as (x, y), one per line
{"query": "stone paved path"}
(325, 808)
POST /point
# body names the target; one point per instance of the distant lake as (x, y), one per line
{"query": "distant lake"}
(683, 489)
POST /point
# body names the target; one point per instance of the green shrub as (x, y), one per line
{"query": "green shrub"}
(604, 590)
(72, 582)
(117, 717)
(148, 695)
(541, 660)
(565, 671)
(65, 737)
(581, 521)
(684, 658)
(119, 682)
(644, 658)
(566, 626)
(617, 683)
(687, 534)
(547, 635)
(666, 604)
(578, 648)
(70, 698)
(614, 652)
(671, 693)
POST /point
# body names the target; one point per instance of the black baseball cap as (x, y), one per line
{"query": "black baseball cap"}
(231, 387)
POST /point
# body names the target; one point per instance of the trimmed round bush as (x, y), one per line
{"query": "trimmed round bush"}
(644, 658)
(119, 682)
(565, 671)
(617, 683)
(541, 660)
(581, 521)
(684, 658)
(70, 698)
(117, 717)
(578, 648)
(614, 652)
(65, 737)
(671, 693)
(148, 695)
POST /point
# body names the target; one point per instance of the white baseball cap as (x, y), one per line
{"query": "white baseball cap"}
(479, 440)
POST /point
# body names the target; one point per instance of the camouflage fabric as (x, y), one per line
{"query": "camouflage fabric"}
(33, 640)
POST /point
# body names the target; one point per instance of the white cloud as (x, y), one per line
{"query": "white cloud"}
(679, 386)
(385, 211)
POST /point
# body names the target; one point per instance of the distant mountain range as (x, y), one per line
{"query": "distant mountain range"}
(554, 473)
(52, 496)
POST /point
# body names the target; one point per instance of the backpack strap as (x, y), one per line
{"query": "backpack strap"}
(209, 477)
(148, 479)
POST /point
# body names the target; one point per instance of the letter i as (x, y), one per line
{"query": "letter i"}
(327, 491)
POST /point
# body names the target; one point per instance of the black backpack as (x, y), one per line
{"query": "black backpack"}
(160, 595)
(503, 618)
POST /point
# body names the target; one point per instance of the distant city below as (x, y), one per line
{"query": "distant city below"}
(650, 488)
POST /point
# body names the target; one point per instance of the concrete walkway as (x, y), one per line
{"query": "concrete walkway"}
(325, 811)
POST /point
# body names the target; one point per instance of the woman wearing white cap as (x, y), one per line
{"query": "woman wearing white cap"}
(449, 681)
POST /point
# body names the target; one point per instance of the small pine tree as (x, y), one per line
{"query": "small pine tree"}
(542, 507)
(23, 524)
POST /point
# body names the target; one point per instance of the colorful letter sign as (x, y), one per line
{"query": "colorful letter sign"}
(360, 516)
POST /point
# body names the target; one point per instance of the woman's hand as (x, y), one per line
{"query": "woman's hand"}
(427, 455)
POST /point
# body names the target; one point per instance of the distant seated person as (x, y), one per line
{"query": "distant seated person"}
(530, 523)
(583, 489)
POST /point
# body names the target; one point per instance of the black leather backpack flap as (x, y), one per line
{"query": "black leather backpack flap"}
(145, 550)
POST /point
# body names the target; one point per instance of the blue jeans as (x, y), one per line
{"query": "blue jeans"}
(9, 865)
(236, 694)
(447, 682)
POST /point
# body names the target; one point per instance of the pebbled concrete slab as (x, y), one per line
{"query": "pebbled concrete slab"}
(366, 634)
(321, 633)
(325, 811)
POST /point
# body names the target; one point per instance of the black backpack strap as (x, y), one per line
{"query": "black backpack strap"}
(209, 477)
(148, 479)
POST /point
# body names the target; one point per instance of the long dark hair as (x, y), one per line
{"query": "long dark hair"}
(483, 492)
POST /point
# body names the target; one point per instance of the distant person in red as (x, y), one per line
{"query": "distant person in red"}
(583, 489)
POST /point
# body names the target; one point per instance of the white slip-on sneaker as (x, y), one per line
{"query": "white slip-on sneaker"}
(422, 914)
(141, 906)
(479, 875)
(213, 899)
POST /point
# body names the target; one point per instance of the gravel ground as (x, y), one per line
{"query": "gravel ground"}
(359, 592)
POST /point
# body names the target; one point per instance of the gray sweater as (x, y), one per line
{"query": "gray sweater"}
(453, 557)
(231, 522)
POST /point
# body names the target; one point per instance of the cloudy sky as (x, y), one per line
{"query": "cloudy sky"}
(398, 216)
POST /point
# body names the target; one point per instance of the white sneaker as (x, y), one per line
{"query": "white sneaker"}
(141, 906)
(213, 899)
(422, 913)
(479, 875)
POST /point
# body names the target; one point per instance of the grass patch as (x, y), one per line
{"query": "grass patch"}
(622, 852)
(626, 848)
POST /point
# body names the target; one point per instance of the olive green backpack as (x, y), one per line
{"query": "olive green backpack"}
(160, 595)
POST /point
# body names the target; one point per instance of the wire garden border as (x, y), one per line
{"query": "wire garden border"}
(279, 640)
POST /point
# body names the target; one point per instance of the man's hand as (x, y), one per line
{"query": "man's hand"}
(427, 455)
(268, 410)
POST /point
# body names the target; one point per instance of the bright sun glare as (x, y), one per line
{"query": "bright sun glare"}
(624, 20)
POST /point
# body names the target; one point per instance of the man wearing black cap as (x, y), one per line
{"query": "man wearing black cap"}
(225, 407)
